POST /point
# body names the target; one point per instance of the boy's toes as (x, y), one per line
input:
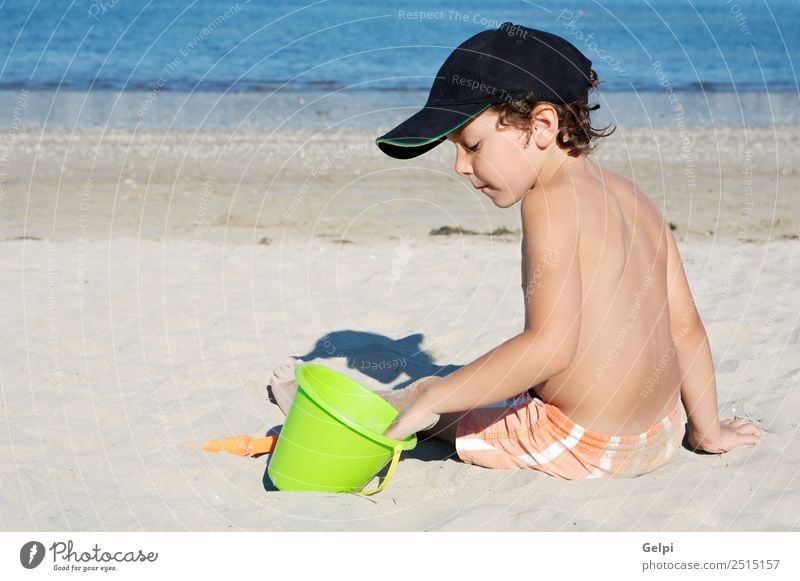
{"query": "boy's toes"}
(287, 370)
(281, 383)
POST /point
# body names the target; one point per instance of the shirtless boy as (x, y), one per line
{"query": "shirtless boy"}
(613, 348)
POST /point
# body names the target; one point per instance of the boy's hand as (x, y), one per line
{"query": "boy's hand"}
(410, 421)
(732, 432)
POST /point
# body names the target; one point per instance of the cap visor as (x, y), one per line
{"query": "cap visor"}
(426, 129)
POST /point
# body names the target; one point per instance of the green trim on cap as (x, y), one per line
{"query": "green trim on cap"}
(427, 141)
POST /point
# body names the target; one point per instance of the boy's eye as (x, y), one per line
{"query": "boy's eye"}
(472, 148)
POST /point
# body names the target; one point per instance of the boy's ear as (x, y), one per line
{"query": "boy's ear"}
(544, 124)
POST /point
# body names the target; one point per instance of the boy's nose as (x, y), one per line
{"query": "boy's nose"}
(462, 167)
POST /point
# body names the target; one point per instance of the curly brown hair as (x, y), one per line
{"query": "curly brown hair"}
(575, 131)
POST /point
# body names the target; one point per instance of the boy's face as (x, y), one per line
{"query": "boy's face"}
(495, 158)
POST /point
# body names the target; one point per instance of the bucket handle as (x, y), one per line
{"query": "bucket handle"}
(395, 459)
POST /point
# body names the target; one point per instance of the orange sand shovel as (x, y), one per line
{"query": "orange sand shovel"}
(242, 445)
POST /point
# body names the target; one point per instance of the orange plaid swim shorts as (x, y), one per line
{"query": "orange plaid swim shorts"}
(525, 432)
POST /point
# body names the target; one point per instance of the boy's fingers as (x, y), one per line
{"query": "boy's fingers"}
(737, 422)
(752, 430)
(747, 438)
(742, 426)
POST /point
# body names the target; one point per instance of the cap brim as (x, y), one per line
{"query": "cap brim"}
(426, 129)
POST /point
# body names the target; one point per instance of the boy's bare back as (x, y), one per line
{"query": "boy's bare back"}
(624, 375)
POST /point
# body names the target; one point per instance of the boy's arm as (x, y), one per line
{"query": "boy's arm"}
(548, 343)
(698, 386)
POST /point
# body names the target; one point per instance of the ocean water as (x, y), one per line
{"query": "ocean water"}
(345, 63)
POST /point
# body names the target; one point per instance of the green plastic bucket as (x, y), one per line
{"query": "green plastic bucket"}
(332, 439)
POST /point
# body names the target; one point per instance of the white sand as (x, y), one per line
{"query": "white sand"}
(108, 383)
(127, 342)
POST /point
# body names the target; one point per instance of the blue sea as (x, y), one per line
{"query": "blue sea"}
(342, 63)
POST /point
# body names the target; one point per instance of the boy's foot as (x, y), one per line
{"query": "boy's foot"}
(282, 385)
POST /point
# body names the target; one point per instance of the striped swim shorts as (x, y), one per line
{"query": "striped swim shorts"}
(525, 432)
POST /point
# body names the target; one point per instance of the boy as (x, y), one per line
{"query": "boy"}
(612, 343)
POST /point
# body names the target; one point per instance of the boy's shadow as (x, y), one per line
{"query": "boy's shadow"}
(378, 356)
(384, 360)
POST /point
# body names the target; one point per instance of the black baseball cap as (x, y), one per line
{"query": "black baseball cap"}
(494, 66)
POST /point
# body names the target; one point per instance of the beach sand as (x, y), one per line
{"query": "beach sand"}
(153, 281)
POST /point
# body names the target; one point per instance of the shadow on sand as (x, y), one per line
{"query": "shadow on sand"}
(378, 356)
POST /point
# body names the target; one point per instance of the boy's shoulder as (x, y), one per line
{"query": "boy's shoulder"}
(555, 201)
(571, 192)
(550, 216)
(571, 203)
